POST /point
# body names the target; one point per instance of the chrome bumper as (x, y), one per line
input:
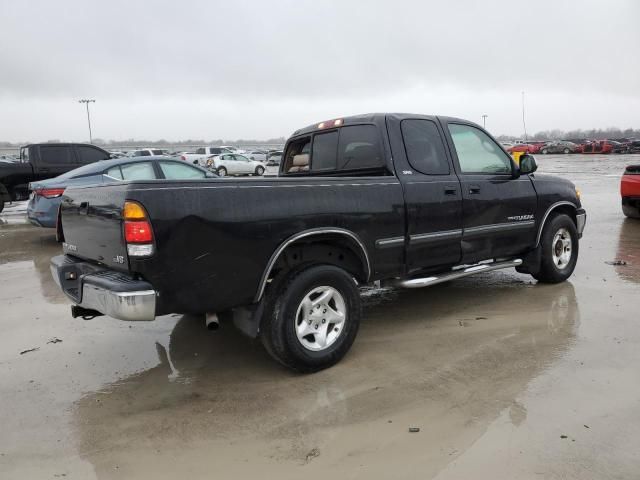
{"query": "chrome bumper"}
(581, 221)
(133, 306)
(111, 293)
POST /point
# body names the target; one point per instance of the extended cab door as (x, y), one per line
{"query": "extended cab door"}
(497, 209)
(54, 160)
(432, 193)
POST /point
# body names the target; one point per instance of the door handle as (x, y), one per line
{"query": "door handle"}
(450, 190)
(474, 189)
(84, 208)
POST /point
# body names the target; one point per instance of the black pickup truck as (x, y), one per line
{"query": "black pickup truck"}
(40, 161)
(407, 200)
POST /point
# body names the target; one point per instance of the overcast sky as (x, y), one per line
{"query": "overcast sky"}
(260, 69)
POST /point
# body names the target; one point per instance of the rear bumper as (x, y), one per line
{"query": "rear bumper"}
(106, 291)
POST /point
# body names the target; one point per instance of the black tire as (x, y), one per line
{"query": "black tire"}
(1, 203)
(566, 150)
(278, 327)
(259, 171)
(628, 210)
(222, 172)
(544, 151)
(550, 272)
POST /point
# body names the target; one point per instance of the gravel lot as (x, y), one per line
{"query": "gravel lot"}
(504, 378)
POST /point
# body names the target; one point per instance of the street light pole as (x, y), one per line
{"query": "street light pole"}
(484, 120)
(87, 101)
(524, 125)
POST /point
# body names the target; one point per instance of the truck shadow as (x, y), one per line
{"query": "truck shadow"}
(461, 351)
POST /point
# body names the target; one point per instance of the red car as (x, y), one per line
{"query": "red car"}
(533, 147)
(630, 191)
(597, 146)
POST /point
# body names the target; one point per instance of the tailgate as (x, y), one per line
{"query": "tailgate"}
(92, 224)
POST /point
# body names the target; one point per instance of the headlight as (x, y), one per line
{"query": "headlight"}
(578, 194)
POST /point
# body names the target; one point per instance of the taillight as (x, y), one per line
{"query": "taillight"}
(182, 157)
(138, 233)
(49, 192)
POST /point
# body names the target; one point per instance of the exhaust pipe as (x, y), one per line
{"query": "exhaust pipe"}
(211, 321)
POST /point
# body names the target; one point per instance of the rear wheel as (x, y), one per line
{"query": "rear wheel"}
(544, 151)
(312, 318)
(559, 244)
(566, 150)
(222, 172)
(259, 170)
(629, 211)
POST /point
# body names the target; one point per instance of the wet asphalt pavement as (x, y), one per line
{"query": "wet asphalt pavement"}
(506, 379)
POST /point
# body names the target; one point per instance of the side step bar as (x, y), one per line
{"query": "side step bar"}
(465, 272)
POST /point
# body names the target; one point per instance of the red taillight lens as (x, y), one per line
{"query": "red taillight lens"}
(50, 192)
(182, 157)
(138, 231)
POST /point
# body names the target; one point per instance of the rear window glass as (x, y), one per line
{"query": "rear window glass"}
(424, 147)
(324, 153)
(359, 148)
(157, 152)
(178, 171)
(90, 154)
(56, 155)
(138, 171)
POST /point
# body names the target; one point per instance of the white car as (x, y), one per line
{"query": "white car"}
(148, 152)
(235, 164)
(232, 149)
(259, 155)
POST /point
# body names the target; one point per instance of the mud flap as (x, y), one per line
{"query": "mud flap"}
(531, 262)
(247, 319)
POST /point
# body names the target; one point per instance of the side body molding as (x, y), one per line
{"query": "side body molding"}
(546, 215)
(310, 233)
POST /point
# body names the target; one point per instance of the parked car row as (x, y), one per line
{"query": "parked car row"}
(566, 147)
(46, 195)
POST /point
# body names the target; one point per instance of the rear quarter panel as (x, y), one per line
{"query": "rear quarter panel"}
(214, 238)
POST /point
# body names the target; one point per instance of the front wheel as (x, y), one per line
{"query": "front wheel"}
(312, 319)
(259, 170)
(566, 150)
(544, 151)
(222, 172)
(559, 244)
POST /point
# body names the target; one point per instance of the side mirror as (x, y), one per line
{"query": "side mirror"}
(527, 164)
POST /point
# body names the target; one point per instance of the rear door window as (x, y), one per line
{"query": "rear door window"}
(324, 153)
(359, 148)
(180, 171)
(138, 171)
(57, 155)
(424, 147)
(87, 154)
(157, 152)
